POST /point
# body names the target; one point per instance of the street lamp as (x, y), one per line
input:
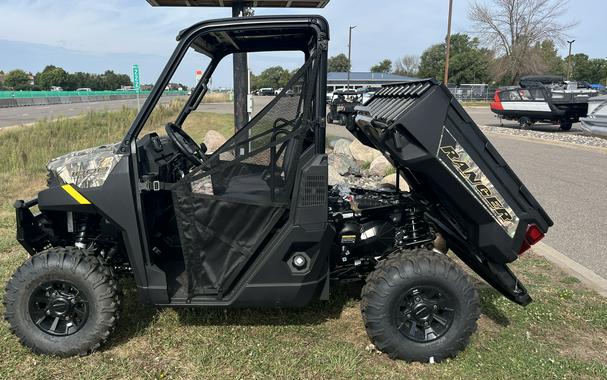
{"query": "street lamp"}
(350, 54)
(569, 60)
(448, 47)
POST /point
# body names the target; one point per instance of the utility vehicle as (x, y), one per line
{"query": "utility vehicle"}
(341, 106)
(255, 224)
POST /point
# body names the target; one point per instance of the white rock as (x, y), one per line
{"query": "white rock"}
(335, 178)
(342, 146)
(362, 152)
(391, 180)
(380, 166)
(213, 140)
(344, 164)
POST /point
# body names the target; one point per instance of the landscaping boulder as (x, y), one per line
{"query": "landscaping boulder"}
(213, 140)
(380, 166)
(362, 152)
(344, 165)
(335, 178)
(391, 180)
(342, 146)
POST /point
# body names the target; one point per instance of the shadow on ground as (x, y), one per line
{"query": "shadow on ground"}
(136, 317)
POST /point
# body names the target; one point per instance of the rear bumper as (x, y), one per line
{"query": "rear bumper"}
(29, 232)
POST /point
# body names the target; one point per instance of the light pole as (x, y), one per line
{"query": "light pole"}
(350, 54)
(569, 60)
(448, 47)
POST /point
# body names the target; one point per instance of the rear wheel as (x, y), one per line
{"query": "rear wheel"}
(525, 122)
(419, 306)
(62, 302)
(343, 119)
(566, 125)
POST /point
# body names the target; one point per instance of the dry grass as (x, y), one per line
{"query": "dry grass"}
(217, 97)
(563, 334)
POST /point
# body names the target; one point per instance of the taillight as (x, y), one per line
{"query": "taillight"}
(532, 236)
(496, 97)
(496, 104)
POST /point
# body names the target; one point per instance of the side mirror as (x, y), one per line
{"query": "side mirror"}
(203, 148)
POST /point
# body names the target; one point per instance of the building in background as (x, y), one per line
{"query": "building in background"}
(358, 80)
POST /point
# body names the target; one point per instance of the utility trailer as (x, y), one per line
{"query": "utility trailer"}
(255, 223)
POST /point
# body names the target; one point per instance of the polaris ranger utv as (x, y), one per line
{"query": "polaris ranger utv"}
(255, 223)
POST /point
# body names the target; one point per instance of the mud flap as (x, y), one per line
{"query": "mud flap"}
(499, 276)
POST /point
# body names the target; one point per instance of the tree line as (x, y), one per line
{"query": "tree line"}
(471, 63)
(53, 76)
(512, 38)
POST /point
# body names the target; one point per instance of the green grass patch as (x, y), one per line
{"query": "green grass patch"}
(563, 334)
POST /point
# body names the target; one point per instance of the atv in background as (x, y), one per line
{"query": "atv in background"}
(341, 106)
(256, 224)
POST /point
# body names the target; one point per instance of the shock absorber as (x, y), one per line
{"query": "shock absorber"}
(82, 226)
(414, 230)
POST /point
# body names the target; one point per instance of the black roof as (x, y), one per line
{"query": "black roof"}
(257, 33)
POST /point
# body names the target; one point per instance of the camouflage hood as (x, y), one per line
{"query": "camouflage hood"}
(86, 168)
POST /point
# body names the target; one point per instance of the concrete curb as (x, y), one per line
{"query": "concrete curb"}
(549, 142)
(585, 275)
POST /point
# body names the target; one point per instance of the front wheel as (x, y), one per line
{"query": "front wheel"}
(62, 302)
(329, 118)
(419, 306)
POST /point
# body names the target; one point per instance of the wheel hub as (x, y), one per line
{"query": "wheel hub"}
(58, 308)
(425, 313)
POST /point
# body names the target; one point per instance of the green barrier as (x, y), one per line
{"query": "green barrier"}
(52, 94)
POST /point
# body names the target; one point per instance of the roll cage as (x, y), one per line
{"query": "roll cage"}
(219, 38)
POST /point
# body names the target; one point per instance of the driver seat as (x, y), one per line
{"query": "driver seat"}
(254, 187)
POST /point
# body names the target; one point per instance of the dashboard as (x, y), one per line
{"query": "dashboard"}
(159, 159)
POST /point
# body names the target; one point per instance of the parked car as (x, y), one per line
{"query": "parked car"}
(266, 91)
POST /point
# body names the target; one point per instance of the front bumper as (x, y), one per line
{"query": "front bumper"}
(29, 233)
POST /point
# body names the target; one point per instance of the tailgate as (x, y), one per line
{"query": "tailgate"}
(475, 198)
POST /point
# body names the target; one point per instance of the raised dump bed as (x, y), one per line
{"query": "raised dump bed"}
(426, 134)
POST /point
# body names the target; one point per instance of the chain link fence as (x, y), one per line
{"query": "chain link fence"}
(473, 92)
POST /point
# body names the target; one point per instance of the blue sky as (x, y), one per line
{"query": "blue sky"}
(86, 35)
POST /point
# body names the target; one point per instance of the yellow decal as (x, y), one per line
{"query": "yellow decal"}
(76, 195)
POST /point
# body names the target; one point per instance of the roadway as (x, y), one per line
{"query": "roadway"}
(569, 180)
(24, 115)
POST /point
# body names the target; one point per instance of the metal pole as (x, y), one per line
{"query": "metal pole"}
(448, 47)
(569, 60)
(241, 116)
(350, 54)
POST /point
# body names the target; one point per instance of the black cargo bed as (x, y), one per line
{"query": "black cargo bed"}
(477, 200)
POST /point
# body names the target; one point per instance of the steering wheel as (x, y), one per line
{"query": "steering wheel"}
(185, 144)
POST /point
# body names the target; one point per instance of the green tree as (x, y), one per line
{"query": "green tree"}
(553, 63)
(17, 80)
(593, 70)
(274, 77)
(384, 66)
(51, 76)
(468, 63)
(339, 63)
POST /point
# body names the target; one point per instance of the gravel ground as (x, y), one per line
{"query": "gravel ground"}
(573, 137)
